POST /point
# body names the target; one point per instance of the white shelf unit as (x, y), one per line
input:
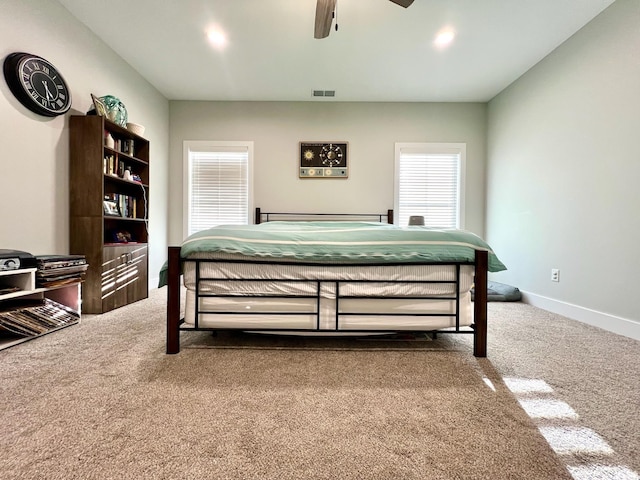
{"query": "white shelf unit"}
(23, 281)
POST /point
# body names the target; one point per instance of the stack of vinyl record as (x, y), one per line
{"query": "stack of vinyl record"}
(56, 270)
(37, 319)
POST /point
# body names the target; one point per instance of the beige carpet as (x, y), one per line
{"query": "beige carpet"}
(101, 400)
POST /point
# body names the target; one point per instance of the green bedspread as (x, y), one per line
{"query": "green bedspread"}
(339, 242)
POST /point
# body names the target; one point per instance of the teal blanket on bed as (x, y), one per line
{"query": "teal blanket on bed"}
(339, 242)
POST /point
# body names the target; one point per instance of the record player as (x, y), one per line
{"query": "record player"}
(16, 259)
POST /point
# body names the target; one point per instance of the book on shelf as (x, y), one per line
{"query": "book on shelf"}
(127, 147)
(109, 165)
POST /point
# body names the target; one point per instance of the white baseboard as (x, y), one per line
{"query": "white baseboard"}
(153, 282)
(619, 325)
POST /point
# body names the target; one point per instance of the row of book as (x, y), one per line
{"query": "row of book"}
(119, 205)
(110, 166)
(118, 168)
(37, 319)
(121, 145)
(56, 270)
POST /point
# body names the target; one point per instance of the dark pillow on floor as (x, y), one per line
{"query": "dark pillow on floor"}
(499, 292)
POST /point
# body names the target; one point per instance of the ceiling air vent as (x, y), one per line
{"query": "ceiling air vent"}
(324, 93)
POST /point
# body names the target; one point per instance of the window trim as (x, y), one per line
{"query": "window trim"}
(212, 145)
(432, 148)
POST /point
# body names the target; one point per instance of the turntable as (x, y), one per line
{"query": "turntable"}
(16, 259)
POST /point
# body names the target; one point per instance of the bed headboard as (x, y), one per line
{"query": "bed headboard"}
(261, 217)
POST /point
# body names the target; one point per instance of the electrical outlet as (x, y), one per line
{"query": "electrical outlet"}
(555, 275)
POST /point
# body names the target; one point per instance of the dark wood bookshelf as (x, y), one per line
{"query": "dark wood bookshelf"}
(118, 270)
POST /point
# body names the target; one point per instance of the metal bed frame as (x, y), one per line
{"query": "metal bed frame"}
(175, 324)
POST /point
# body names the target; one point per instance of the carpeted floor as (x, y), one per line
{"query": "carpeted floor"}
(101, 400)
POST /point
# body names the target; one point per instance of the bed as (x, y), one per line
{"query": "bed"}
(329, 274)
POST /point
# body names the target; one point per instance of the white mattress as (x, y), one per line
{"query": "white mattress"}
(274, 282)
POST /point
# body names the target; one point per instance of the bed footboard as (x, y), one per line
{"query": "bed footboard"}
(479, 308)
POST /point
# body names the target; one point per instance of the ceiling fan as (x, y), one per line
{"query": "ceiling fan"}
(325, 13)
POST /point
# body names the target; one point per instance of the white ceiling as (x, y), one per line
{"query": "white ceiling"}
(381, 52)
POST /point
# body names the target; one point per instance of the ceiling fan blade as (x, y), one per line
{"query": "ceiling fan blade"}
(403, 3)
(324, 18)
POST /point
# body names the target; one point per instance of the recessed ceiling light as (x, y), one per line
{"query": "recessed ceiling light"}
(444, 38)
(217, 38)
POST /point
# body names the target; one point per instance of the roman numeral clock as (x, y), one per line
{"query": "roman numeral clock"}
(37, 84)
(323, 160)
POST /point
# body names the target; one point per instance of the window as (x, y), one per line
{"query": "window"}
(429, 182)
(218, 184)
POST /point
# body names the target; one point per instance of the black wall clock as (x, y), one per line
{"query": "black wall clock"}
(323, 160)
(37, 84)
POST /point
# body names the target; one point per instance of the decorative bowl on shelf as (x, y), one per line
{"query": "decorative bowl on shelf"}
(115, 110)
(135, 128)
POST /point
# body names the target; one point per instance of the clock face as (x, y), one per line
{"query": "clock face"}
(323, 160)
(331, 155)
(37, 84)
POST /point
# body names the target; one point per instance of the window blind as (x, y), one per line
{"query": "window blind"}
(218, 188)
(428, 184)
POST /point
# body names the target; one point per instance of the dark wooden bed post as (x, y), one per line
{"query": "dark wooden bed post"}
(480, 304)
(390, 216)
(173, 301)
(258, 218)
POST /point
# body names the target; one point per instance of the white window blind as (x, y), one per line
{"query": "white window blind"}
(219, 187)
(428, 184)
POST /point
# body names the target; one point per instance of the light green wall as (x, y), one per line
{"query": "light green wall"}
(563, 173)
